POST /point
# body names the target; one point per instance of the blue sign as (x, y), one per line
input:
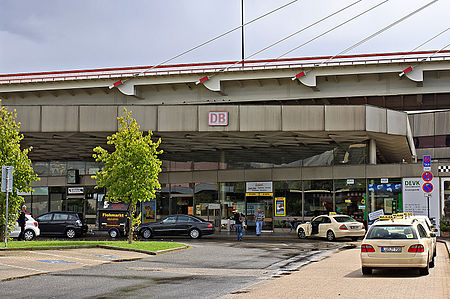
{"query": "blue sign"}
(426, 161)
(427, 187)
(427, 176)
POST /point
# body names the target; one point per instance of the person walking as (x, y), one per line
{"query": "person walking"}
(259, 221)
(22, 220)
(238, 220)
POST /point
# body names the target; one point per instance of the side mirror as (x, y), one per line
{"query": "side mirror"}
(433, 235)
(435, 230)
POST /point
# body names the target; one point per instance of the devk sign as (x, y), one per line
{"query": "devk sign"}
(218, 118)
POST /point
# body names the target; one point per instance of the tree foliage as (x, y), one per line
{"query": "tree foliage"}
(130, 172)
(12, 155)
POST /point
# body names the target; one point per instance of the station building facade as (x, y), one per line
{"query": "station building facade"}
(340, 142)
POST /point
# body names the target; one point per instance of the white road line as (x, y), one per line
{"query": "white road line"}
(24, 268)
(68, 257)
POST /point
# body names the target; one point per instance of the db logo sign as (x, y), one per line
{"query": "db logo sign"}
(218, 118)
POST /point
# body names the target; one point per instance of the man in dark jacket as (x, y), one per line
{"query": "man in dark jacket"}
(238, 219)
(22, 220)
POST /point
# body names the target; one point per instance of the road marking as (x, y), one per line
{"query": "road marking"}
(67, 257)
(23, 268)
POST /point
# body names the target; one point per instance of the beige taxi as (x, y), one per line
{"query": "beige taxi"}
(397, 243)
(332, 227)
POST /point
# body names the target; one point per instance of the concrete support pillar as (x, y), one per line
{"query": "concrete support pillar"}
(222, 191)
(372, 152)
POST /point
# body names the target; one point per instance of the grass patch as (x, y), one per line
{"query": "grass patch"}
(146, 245)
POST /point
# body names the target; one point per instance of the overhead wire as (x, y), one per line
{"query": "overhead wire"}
(378, 32)
(120, 82)
(332, 29)
(283, 39)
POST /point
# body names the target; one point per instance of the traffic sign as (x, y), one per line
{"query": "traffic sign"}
(427, 187)
(426, 162)
(7, 178)
(427, 176)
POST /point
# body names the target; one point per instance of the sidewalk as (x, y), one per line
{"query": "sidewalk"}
(339, 276)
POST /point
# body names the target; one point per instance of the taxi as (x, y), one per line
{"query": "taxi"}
(397, 242)
(332, 227)
(429, 227)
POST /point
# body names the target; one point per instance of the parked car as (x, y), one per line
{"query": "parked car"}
(397, 243)
(173, 225)
(31, 229)
(332, 227)
(429, 227)
(69, 224)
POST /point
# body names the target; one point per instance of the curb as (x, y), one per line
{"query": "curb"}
(97, 246)
(447, 245)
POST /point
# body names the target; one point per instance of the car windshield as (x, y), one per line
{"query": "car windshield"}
(344, 219)
(391, 232)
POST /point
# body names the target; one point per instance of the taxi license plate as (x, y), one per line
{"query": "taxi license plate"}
(354, 227)
(391, 249)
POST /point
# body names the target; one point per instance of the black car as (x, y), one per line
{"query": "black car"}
(175, 225)
(69, 224)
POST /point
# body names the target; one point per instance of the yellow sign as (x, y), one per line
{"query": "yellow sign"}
(386, 217)
(265, 194)
(348, 201)
(332, 213)
(363, 201)
(251, 194)
(280, 206)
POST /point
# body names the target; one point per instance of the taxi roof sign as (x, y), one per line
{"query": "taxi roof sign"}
(386, 217)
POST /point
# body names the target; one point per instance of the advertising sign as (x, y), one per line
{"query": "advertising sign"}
(256, 187)
(149, 211)
(414, 200)
(280, 206)
(110, 219)
(376, 214)
(218, 118)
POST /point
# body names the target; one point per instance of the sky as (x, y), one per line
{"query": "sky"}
(52, 35)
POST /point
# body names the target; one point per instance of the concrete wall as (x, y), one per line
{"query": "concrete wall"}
(193, 118)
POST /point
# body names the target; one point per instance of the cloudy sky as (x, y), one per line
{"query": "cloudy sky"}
(49, 35)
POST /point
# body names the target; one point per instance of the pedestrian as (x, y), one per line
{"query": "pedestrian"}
(259, 221)
(22, 220)
(238, 220)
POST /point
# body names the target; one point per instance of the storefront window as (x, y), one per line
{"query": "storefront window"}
(181, 198)
(58, 168)
(81, 166)
(207, 205)
(385, 196)
(349, 197)
(447, 202)
(318, 197)
(233, 195)
(41, 168)
(162, 202)
(291, 191)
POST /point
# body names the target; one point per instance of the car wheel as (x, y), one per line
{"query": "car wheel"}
(29, 235)
(147, 233)
(366, 270)
(70, 233)
(301, 233)
(432, 262)
(194, 233)
(113, 233)
(425, 271)
(330, 235)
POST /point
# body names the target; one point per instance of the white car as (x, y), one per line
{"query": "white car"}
(31, 229)
(332, 227)
(431, 232)
(397, 243)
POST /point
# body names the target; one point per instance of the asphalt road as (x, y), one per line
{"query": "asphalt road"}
(209, 269)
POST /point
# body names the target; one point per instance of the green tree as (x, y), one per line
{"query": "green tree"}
(130, 172)
(12, 155)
